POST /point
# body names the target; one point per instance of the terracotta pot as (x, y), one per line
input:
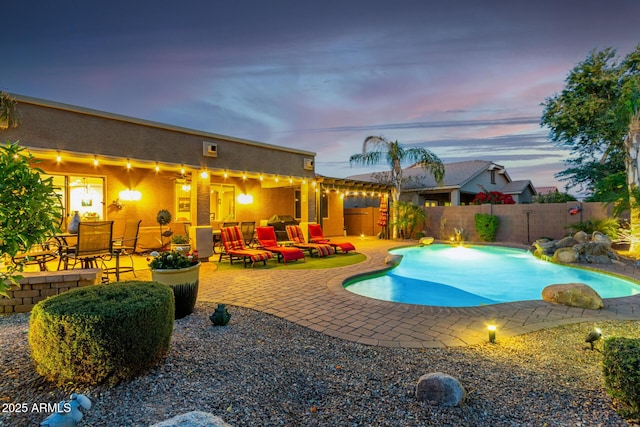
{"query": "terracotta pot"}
(184, 282)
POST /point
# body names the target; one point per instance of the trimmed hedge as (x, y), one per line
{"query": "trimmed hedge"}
(103, 333)
(487, 226)
(621, 368)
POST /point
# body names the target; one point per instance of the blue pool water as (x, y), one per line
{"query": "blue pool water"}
(465, 276)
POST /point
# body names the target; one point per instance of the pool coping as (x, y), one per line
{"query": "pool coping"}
(316, 299)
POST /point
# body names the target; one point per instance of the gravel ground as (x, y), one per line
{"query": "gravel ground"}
(264, 371)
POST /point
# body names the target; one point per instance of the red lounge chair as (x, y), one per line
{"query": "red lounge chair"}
(234, 247)
(316, 236)
(267, 241)
(297, 237)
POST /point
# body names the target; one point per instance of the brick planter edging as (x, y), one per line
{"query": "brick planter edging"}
(36, 286)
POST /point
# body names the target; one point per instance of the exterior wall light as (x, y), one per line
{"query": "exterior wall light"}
(130, 195)
(245, 199)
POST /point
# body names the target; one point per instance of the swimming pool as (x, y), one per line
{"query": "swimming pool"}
(466, 276)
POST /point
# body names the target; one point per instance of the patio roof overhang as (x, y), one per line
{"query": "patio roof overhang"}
(267, 180)
(352, 187)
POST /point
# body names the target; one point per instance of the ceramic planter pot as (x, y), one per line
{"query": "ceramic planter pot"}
(184, 282)
(185, 248)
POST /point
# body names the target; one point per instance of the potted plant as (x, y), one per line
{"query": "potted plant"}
(180, 271)
(30, 209)
(163, 218)
(180, 242)
(8, 113)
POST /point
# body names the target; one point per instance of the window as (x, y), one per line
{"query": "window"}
(223, 202)
(493, 176)
(297, 207)
(84, 194)
(324, 205)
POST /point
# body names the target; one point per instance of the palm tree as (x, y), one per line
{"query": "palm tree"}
(377, 149)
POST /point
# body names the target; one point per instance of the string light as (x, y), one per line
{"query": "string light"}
(128, 164)
(58, 158)
(95, 161)
(157, 167)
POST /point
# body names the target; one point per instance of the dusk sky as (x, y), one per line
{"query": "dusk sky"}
(464, 79)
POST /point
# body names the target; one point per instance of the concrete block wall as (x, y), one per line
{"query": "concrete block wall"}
(34, 287)
(521, 224)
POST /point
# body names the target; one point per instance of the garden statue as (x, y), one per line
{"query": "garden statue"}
(68, 413)
(220, 316)
(459, 234)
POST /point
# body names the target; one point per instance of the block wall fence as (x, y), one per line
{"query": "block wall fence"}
(520, 224)
(37, 286)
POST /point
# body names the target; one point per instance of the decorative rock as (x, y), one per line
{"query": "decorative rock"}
(581, 237)
(392, 260)
(573, 295)
(566, 242)
(426, 241)
(544, 244)
(440, 389)
(598, 237)
(565, 256)
(193, 419)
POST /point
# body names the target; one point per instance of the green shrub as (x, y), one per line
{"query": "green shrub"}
(104, 333)
(621, 368)
(487, 226)
(607, 226)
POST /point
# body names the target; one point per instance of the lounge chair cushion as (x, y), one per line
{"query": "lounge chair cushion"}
(234, 246)
(316, 236)
(267, 239)
(297, 237)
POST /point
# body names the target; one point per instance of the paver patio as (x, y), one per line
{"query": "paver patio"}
(317, 300)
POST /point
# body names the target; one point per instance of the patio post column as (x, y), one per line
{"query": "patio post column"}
(202, 233)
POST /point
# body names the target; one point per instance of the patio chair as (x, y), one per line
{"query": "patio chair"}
(234, 248)
(94, 245)
(316, 236)
(248, 228)
(38, 255)
(267, 240)
(297, 237)
(125, 245)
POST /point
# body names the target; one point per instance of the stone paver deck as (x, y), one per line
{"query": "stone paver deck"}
(317, 300)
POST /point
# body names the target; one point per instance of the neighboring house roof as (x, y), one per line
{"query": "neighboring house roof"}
(456, 174)
(518, 187)
(546, 190)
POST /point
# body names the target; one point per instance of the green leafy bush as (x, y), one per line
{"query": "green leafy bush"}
(607, 226)
(621, 368)
(104, 333)
(553, 197)
(487, 226)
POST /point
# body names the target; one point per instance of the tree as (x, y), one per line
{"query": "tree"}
(377, 149)
(597, 116)
(553, 197)
(30, 208)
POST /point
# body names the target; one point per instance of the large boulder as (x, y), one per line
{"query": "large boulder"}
(573, 295)
(581, 237)
(565, 242)
(392, 260)
(604, 240)
(426, 241)
(565, 256)
(193, 419)
(440, 389)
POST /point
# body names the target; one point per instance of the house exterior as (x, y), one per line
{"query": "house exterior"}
(112, 167)
(462, 182)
